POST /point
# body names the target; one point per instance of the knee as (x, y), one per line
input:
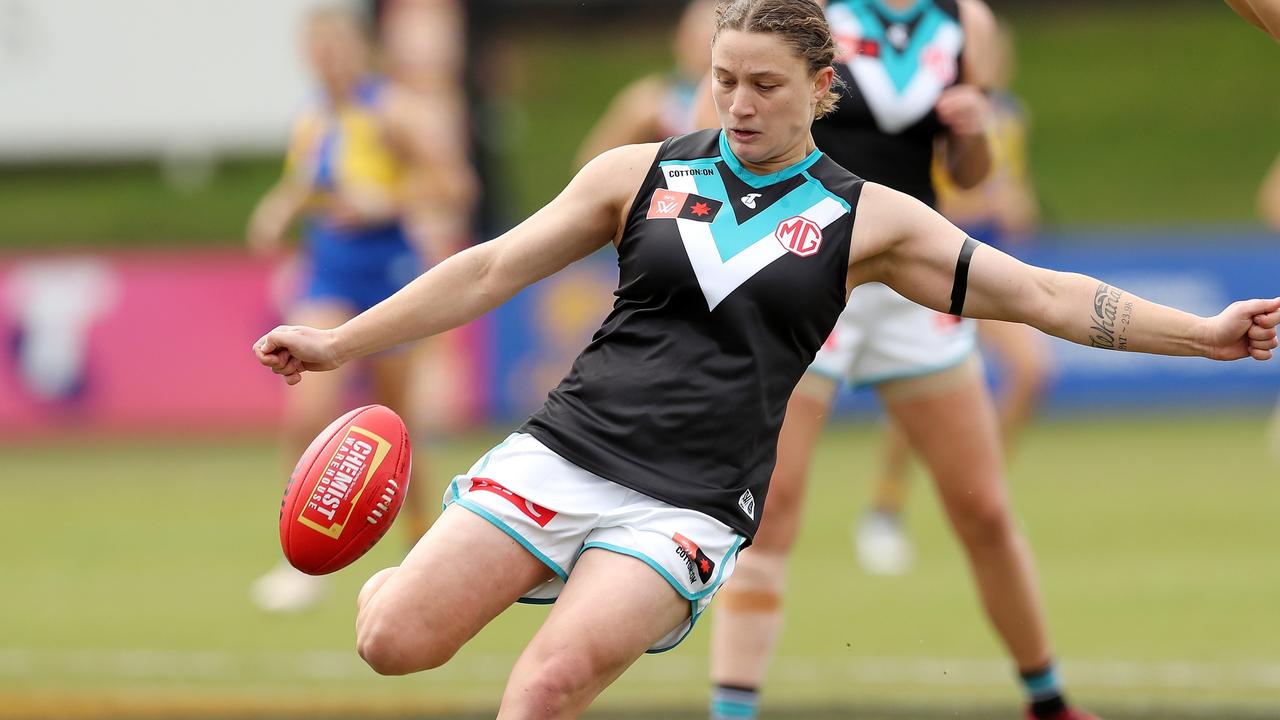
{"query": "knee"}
(391, 647)
(983, 520)
(556, 685)
(758, 583)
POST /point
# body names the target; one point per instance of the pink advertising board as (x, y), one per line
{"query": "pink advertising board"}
(153, 341)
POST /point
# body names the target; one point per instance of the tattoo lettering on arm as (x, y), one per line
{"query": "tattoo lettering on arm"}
(1111, 317)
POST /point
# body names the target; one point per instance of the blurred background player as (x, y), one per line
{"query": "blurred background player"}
(1001, 211)
(1262, 14)
(915, 76)
(661, 105)
(364, 153)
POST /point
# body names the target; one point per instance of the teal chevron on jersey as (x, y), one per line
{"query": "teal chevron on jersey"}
(900, 65)
(729, 236)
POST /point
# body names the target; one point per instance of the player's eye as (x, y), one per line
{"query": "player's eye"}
(765, 87)
(725, 82)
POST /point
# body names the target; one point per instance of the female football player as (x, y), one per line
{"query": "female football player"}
(626, 498)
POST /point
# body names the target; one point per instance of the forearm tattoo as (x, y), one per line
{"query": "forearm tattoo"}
(1109, 328)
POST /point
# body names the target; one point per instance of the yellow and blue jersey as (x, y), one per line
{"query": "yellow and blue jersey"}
(344, 149)
(975, 207)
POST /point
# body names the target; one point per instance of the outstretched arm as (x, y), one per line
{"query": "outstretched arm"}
(586, 215)
(901, 242)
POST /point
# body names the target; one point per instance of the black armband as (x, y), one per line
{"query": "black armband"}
(961, 284)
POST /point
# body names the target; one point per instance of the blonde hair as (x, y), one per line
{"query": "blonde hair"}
(800, 23)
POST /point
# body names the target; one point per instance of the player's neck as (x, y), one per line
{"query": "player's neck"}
(899, 5)
(782, 161)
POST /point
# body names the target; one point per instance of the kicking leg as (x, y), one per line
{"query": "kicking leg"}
(460, 575)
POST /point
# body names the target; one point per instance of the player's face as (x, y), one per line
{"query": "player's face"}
(765, 96)
(336, 51)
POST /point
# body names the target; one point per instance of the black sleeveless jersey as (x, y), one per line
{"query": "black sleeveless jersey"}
(729, 283)
(895, 66)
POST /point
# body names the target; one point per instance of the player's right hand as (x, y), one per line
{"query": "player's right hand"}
(290, 350)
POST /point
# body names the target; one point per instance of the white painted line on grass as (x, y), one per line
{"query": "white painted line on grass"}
(17, 664)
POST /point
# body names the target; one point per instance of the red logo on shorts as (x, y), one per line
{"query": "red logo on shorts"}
(799, 235)
(536, 512)
(700, 566)
(946, 323)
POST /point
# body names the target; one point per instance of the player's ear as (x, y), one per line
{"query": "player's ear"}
(822, 81)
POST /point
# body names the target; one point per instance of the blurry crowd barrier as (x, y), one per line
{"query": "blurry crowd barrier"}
(160, 341)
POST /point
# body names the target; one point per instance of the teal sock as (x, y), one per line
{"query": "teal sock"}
(1044, 691)
(729, 702)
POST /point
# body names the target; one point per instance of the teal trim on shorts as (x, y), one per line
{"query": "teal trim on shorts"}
(693, 599)
(484, 461)
(498, 523)
(918, 372)
(452, 490)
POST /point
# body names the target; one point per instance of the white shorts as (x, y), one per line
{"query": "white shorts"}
(557, 510)
(882, 336)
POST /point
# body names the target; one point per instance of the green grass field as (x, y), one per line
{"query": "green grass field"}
(123, 590)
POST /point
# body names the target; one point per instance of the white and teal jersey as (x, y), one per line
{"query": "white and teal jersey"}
(729, 282)
(896, 64)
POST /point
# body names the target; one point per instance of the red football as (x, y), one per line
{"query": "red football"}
(345, 491)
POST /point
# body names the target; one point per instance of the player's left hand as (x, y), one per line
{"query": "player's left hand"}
(1245, 329)
(964, 109)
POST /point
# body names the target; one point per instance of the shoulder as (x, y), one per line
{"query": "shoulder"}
(837, 180)
(980, 38)
(619, 172)
(977, 19)
(693, 146)
(647, 90)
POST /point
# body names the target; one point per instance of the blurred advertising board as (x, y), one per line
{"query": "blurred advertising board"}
(159, 341)
(135, 341)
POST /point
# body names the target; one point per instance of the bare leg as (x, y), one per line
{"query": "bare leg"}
(891, 487)
(459, 576)
(748, 614)
(1024, 353)
(613, 608)
(955, 432)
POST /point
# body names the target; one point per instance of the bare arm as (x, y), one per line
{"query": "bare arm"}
(1269, 196)
(964, 108)
(587, 214)
(899, 241)
(442, 186)
(274, 213)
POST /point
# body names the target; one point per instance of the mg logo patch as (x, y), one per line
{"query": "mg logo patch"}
(747, 502)
(799, 235)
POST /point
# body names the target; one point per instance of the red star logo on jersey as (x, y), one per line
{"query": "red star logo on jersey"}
(700, 209)
(705, 565)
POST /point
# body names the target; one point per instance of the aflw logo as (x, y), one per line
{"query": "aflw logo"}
(799, 235)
